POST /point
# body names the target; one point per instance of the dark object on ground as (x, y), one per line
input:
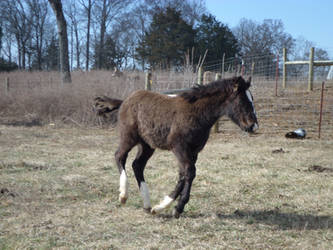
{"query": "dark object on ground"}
(6, 192)
(277, 151)
(319, 169)
(297, 134)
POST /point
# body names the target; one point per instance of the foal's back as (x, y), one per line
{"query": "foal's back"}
(152, 117)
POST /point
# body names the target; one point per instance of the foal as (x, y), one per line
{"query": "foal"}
(180, 124)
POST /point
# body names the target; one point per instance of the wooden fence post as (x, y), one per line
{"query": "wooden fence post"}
(311, 59)
(222, 70)
(200, 76)
(284, 77)
(6, 85)
(252, 69)
(148, 81)
(216, 125)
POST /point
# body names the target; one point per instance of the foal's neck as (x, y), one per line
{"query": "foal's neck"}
(211, 109)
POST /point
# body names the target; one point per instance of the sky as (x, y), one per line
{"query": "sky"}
(310, 19)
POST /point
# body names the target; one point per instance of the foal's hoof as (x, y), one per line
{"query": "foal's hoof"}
(147, 210)
(153, 211)
(175, 213)
(122, 199)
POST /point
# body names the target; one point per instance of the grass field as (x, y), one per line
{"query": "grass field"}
(59, 189)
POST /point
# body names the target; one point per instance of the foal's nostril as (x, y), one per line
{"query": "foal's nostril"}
(254, 127)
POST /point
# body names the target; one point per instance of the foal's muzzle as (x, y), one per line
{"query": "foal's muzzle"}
(253, 128)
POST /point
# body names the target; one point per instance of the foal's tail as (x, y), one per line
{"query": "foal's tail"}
(107, 108)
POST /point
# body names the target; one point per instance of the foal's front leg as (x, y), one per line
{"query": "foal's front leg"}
(187, 174)
(168, 200)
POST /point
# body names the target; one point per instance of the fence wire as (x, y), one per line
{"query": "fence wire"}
(279, 110)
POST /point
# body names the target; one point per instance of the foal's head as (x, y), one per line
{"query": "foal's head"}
(241, 107)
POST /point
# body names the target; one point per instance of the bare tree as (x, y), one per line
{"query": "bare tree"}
(87, 5)
(106, 13)
(72, 13)
(39, 11)
(63, 40)
(19, 23)
(265, 38)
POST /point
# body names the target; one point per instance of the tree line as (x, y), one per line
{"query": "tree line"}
(130, 34)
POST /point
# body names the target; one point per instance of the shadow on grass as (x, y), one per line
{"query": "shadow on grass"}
(284, 221)
(183, 215)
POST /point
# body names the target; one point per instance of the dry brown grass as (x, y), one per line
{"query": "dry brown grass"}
(59, 189)
(38, 98)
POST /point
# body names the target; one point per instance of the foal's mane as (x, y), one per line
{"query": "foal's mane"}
(225, 86)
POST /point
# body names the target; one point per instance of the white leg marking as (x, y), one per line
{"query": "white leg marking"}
(123, 187)
(163, 205)
(145, 195)
(255, 127)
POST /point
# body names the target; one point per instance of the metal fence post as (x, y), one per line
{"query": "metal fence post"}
(284, 79)
(321, 108)
(276, 74)
(311, 59)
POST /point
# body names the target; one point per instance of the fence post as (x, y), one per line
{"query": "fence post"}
(310, 83)
(321, 108)
(200, 76)
(6, 85)
(276, 74)
(284, 68)
(235, 66)
(216, 125)
(252, 69)
(242, 68)
(223, 59)
(148, 81)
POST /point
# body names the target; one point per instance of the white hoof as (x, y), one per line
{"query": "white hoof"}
(163, 205)
(122, 199)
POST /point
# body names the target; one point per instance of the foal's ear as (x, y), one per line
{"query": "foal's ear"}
(249, 80)
(248, 83)
(235, 87)
(237, 83)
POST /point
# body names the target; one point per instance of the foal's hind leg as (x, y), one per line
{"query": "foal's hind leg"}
(120, 157)
(143, 155)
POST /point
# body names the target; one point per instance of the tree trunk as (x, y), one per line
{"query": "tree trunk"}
(77, 46)
(100, 62)
(88, 33)
(19, 51)
(63, 40)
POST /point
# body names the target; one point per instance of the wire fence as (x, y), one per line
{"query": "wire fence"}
(279, 110)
